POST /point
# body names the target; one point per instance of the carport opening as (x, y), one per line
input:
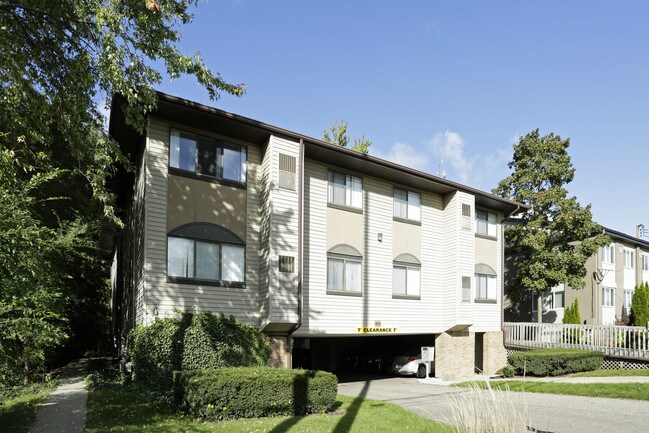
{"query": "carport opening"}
(363, 354)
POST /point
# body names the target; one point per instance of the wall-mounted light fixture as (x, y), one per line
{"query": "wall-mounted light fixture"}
(380, 237)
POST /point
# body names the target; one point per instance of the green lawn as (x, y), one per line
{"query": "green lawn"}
(18, 406)
(607, 373)
(634, 391)
(117, 409)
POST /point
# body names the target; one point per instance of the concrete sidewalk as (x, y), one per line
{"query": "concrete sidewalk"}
(64, 410)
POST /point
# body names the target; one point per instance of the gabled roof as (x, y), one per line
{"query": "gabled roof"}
(190, 113)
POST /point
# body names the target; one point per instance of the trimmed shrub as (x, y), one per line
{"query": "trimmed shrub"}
(555, 362)
(228, 393)
(195, 341)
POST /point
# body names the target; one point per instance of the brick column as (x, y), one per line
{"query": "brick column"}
(494, 355)
(455, 355)
(280, 355)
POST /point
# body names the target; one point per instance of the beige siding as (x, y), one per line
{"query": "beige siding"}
(488, 316)
(163, 297)
(344, 227)
(407, 239)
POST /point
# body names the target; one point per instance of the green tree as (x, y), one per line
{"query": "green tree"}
(557, 235)
(60, 63)
(571, 315)
(640, 306)
(337, 134)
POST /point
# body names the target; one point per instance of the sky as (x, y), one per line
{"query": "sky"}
(458, 81)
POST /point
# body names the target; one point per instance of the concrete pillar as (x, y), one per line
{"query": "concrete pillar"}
(494, 355)
(455, 355)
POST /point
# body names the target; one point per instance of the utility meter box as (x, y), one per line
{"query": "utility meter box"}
(428, 354)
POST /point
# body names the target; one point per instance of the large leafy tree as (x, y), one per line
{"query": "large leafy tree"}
(60, 63)
(553, 240)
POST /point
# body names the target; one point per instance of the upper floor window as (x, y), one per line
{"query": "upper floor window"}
(466, 216)
(629, 258)
(486, 223)
(205, 252)
(344, 267)
(608, 254)
(485, 281)
(608, 296)
(645, 262)
(406, 275)
(407, 205)
(466, 289)
(207, 156)
(345, 190)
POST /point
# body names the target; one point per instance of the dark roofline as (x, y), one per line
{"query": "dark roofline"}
(619, 235)
(316, 143)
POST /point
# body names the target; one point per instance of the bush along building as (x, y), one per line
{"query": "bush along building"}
(344, 260)
(612, 274)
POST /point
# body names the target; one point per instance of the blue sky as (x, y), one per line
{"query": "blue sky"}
(458, 81)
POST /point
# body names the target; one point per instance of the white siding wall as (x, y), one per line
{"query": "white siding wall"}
(450, 271)
(138, 239)
(166, 297)
(465, 261)
(283, 234)
(264, 233)
(488, 317)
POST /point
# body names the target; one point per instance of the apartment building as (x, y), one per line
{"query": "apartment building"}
(612, 274)
(328, 251)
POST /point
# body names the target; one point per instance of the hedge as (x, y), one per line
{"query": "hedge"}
(194, 341)
(555, 362)
(228, 393)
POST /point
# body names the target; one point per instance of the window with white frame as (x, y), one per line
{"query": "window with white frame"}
(407, 205)
(645, 262)
(485, 223)
(608, 254)
(550, 300)
(629, 258)
(207, 156)
(485, 287)
(466, 216)
(406, 276)
(345, 190)
(608, 296)
(202, 260)
(628, 299)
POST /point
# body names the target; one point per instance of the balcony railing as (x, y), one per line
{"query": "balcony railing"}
(619, 341)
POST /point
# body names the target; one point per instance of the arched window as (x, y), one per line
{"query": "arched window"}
(344, 269)
(485, 278)
(205, 252)
(406, 276)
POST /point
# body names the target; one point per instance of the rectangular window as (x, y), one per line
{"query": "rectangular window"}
(466, 289)
(207, 156)
(629, 258)
(628, 298)
(608, 296)
(645, 262)
(466, 216)
(287, 264)
(486, 223)
(345, 190)
(485, 286)
(608, 254)
(343, 275)
(406, 280)
(559, 300)
(210, 261)
(407, 205)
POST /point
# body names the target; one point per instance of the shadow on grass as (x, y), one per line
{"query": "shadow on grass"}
(346, 422)
(18, 414)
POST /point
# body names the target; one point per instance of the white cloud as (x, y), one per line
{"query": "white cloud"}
(449, 146)
(405, 154)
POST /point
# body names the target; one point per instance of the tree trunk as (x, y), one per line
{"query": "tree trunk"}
(539, 308)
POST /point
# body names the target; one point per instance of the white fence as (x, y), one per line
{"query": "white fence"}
(622, 341)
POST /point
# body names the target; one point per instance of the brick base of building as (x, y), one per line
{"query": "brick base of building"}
(280, 355)
(494, 354)
(455, 355)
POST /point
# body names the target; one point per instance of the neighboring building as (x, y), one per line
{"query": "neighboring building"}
(612, 274)
(329, 251)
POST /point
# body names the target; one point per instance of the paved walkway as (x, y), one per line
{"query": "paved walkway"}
(548, 413)
(64, 410)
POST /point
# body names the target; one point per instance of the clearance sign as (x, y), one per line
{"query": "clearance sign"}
(370, 330)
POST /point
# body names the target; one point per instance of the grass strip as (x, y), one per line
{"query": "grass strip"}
(633, 391)
(18, 406)
(127, 410)
(611, 373)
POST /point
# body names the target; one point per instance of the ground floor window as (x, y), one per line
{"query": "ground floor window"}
(608, 296)
(406, 280)
(485, 287)
(628, 298)
(201, 260)
(344, 274)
